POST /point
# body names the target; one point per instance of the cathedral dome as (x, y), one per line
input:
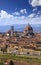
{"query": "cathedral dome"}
(28, 29)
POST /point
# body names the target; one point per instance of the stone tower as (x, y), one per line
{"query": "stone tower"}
(11, 31)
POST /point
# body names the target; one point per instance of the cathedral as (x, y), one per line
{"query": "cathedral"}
(28, 30)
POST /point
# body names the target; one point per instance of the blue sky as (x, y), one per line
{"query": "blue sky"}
(14, 5)
(20, 12)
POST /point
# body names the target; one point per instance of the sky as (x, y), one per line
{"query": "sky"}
(20, 12)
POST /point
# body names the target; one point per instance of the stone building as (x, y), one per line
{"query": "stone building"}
(11, 31)
(28, 30)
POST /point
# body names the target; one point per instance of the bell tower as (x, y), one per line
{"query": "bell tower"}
(12, 31)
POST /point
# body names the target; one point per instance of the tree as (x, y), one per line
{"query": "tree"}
(4, 49)
(11, 63)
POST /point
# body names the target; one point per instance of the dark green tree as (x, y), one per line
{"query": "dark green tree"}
(11, 63)
(4, 49)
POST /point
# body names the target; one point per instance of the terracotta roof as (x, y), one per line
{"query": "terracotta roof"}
(28, 27)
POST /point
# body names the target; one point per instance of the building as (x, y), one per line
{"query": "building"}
(28, 30)
(11, 31)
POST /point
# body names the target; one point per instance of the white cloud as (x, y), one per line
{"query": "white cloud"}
(35, 9)
(16, 13)
(36, 20)
(35, 3)
(19, 17)
(23, 11)
(8, 19)
(4, 14)
(32, 15)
